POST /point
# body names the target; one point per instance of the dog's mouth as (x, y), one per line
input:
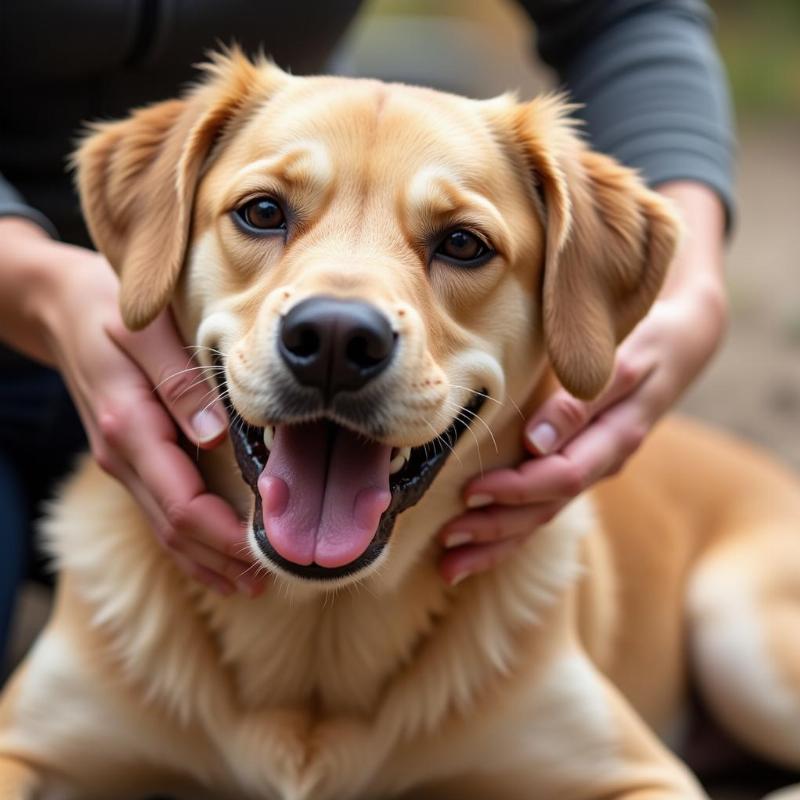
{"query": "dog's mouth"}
(326, 496)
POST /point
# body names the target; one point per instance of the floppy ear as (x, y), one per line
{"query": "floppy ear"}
(608, 243)
(137, 178)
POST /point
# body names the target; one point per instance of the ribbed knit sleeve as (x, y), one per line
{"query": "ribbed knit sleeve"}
(12, 204)
(651, 82)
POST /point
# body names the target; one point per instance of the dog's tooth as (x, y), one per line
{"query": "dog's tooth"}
(269, 436)
(399, 461)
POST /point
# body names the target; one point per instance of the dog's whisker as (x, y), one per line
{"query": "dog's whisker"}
(475, 438)
(205, 347)
(473, 416)
(500, 403)
(199, 382)
(477, 393)
(253, 567)
(477, 417)
(242, 550)
(440, 438)
(517, 408)
(213, 400)
(184, 372)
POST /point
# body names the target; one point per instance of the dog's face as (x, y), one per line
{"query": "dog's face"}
(376, 267)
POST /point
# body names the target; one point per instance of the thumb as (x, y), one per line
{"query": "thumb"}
(186, 388)
(561, 417)
(556, 421)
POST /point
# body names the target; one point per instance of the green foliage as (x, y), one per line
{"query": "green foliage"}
(760, 43)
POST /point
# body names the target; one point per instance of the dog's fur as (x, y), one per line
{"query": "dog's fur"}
(542, 678)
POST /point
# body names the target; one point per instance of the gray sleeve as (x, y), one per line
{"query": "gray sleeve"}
(12, 204)
(649, 77)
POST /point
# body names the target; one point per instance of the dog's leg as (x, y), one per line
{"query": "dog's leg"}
(18, 781)
(59, 712)
(744, 605)
(572, 736)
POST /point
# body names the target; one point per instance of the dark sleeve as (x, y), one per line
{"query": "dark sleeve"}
(651, 82)
(13, 205)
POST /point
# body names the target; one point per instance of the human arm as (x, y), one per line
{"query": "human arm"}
(58, 305)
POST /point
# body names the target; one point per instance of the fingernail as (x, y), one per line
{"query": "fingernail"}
(543, 437)
(208, 424)
(479, 500)
(457, 538)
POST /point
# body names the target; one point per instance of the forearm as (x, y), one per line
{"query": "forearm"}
(31, 266)
(699, 264)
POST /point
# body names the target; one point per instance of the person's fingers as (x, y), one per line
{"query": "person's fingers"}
(139, 429)
(496, 523)
(197, 561)
(187, 513)
(203, 575)
(239, 574)
(535, 492)
(480, 539)
(185, 387)
(533, 481)
(213, 523)
(457, 564)
(604, 447)
(562, 416)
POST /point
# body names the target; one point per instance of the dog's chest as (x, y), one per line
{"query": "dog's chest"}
(287, 755)
(308, 718)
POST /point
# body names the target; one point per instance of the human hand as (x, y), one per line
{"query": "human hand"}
(578, 443)
(111, 374)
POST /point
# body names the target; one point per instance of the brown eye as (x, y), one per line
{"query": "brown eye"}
(262, 214)
(463, 247)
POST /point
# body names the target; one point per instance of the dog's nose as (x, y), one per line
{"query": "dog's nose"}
(335, 345)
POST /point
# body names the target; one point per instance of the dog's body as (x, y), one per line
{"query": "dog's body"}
(377, 680)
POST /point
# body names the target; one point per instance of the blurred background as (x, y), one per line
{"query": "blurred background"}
(484, 47)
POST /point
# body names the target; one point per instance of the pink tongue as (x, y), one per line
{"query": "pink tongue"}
(322, 500)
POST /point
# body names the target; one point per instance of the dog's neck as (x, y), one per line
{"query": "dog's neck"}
(330, 654)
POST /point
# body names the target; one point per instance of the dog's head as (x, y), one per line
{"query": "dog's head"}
(373, 265)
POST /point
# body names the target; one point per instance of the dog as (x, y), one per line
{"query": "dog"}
(384, 277)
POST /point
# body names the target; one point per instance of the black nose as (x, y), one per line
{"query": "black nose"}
(335, 345)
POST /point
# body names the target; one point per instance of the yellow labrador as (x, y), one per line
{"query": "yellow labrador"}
(381, 275)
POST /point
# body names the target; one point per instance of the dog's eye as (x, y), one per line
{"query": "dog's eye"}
(465, 248)
(262, 214)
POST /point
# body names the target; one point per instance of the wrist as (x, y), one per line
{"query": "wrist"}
(699, 262)
(696, 278)
(23, 277)
(34, 273)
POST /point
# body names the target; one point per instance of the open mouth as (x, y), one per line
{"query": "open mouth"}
(328, 495)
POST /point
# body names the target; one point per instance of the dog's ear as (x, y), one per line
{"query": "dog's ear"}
(608, 243)
(137, 177)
